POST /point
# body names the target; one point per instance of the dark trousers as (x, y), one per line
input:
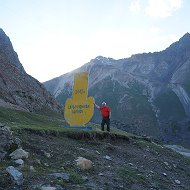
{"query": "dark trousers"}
(105, 120)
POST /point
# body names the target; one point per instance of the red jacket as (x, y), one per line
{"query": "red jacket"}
(105, 111)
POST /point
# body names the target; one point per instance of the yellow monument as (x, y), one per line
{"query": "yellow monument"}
(80, 108)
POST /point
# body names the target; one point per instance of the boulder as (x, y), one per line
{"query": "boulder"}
(19, 154)
(84, 163)
(177, 182)
(107, 158)
(6, 140)
(48, 188)
(16, 176)
(63, 176)
(19, 162)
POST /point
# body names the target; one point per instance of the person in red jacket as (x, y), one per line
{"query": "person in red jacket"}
(106, 114)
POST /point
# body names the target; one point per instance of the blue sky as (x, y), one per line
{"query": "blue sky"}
(53, 37)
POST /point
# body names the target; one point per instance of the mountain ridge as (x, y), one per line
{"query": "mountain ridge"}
(149, 88)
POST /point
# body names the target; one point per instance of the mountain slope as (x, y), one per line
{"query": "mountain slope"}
(149, 93)
(17, 88)
(128, 161)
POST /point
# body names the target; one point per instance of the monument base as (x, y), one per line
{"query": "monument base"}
(79, 127)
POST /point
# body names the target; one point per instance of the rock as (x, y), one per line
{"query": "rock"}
(130, 164)
(48, 188)
(16, 176)
(107, 158)
(19, 162)
(63, 176)
(32, 169)
(18, 154)
(7, 140)
(37, 161)
(48, 155)
(121, 186)
(84, 163)
(85, 178)
(46, 164)
(164, 174)
(177, 182)
(97, 152)
(166, 163)
(174, 165)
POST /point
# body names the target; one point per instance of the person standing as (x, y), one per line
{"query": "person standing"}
(106, 114)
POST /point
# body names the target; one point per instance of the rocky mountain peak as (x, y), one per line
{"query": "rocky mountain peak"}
(182, 45)
(7, 53)
(186, 37)
(102, 60)
(17, 88)
(1, 31)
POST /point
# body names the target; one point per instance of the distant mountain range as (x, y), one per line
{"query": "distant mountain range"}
(149, 93)
(18, 89)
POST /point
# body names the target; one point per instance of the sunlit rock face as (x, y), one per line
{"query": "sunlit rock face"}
(17, 88)
(149, 93)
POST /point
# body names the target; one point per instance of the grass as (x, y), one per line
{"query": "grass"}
(28, 120)
(131, 176)
(53, 124)
(19, 120)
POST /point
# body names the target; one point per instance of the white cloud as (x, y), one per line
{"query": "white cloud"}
(162, 8)
(135, 6)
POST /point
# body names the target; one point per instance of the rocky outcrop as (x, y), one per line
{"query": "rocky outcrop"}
(6, 140)
(18, 154)
(16, 86)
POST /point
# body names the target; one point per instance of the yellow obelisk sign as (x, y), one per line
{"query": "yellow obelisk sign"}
(80, 108)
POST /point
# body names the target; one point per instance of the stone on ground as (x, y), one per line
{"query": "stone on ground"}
(16, 176)
(84, 163)
(19, 154)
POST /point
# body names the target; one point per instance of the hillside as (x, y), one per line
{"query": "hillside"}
(120, 160)
(19, 90)
(149, 93)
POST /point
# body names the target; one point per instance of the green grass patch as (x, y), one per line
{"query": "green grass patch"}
(27, 120)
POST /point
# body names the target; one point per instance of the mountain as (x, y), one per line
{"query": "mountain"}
(149, 93)
(18, 89)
